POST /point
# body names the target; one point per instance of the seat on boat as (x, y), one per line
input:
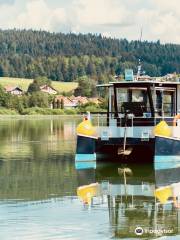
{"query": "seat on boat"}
(136, 108)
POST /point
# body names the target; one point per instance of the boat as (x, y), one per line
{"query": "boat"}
(137, 111)
(136, 200)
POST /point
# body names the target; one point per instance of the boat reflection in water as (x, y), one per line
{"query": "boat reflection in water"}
(142, 202)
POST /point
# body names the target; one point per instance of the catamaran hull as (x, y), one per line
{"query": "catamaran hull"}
(167, 153)
(85, 152)
(141, 151)
(91, 149)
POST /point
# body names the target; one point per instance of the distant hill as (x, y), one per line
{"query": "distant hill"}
(66, 57)
(24, 83)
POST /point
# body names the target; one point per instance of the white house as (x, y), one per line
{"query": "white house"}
(14, 90)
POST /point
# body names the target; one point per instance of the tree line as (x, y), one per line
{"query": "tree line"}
(67, 57)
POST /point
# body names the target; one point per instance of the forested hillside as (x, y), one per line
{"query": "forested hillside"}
(66, 57)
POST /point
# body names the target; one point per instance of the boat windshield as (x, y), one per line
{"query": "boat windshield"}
(133, 98)
(137, 101)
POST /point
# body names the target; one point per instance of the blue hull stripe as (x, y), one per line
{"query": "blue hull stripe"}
(166, 162)
(85, 165)
(85, 157)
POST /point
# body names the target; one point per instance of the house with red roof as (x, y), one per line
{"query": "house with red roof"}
(65, 101)
(73, 102)
(79, 100)
(14, 90)
(48, 89)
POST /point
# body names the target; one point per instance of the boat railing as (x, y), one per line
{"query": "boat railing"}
(104, 119)
(108, 125)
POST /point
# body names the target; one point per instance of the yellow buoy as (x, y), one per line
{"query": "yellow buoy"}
(85, 128)
(162, 129)
(163, 194)
(87, 192)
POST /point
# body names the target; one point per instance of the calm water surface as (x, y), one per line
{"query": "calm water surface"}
(39, 181)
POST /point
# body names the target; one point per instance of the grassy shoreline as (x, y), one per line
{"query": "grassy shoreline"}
(42, 111)
(39, 116)
(38, 111)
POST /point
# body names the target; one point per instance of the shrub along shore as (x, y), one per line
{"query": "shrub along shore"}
(47, 111)
(37, 111)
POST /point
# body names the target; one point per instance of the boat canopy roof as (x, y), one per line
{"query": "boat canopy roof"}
(139, 84)
(104, 85)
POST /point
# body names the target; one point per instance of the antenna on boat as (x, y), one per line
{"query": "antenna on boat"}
(139, 61)
(139, 69)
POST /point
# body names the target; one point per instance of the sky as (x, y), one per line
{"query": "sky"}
(158, 19)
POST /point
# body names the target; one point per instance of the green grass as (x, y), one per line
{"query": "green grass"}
(64, 86)
(48, 111)
(24, 83)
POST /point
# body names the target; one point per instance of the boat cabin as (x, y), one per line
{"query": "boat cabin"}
(145, 102)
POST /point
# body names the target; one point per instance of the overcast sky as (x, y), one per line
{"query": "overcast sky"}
(160, 19)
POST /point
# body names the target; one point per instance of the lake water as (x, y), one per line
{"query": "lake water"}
(39, 182)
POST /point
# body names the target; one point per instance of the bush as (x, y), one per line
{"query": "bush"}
(57, 111)
(36, 110)
(4, 111)
(29, 111)
(91, 107)
(39, 99)
(42, 111)
(70, 111)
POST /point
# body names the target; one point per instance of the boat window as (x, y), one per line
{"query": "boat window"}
(159, 106)
(111, 100)
(138, 95)
(168, 103)
(122, 96)
(165, 103)
(133, 95)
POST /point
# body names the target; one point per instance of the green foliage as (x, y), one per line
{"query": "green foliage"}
(35, 103)
(86, 87)
(57, 112)
(91, 107)
(17, 103)
(68, 94)
(12, 102)
(48, 111)
(42, 80)
(4, 98)
(42, 111)
(5, 111)
(33, 87)
(104, 103)
(37, 83)
(39, 99)
(66, 57)
(70, 111)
